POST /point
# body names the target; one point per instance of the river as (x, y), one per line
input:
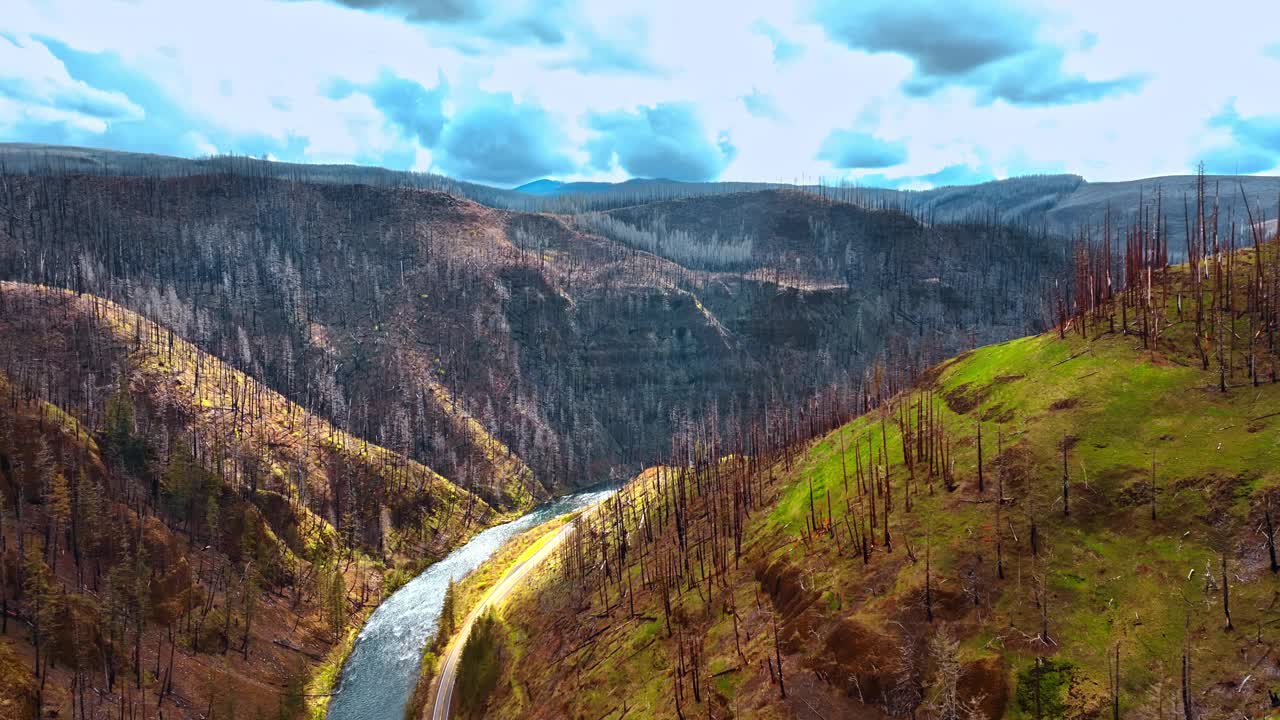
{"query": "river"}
(380, 673)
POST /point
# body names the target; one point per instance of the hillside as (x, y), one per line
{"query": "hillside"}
(1075, 524)
(175, 535)
(519, 354)
(1059, 203)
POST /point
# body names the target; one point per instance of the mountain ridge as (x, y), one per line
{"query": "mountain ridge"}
(414, 318)
(1061, 203)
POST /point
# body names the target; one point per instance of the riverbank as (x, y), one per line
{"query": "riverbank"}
(325, 678)
(471, 591)
(382, 669)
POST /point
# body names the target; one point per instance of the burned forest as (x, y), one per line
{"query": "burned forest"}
(1072, 524)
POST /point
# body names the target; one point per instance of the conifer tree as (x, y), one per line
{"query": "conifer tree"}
(448, 612)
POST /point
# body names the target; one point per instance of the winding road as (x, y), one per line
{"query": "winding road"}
(447, 678)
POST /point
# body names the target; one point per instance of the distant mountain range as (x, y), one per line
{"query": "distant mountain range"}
(546, 186)
(1059, 204)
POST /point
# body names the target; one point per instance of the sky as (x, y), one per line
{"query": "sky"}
(897, 93)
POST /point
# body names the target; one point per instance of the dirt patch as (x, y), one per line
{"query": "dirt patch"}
(1221, 492)
(1064, 404)
(929, 378)
(983, 682)
(860, 661)
(784, 583)
(998, 413)
(1002, 379)
(965, 397)
(1017, 463)
(1135, 493)
(949, 601)
(785, 586)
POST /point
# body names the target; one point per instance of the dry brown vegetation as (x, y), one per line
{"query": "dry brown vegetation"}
(174, 536)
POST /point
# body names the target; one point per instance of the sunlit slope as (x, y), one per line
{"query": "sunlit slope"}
(1011, 594)
(1107, 573)
(81, 344)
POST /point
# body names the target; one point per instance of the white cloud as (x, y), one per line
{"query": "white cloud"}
(255, 68)
(35, 87)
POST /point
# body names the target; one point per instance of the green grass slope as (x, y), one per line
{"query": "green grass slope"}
(1003, 601)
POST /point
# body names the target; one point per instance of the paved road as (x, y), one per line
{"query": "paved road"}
(448, 675)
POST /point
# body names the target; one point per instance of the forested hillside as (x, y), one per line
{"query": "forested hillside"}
(177, 538)
(521, 354)
(1078, 524)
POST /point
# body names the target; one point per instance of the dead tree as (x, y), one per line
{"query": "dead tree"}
(1271, 534)
(1226, 594)
(981, 487)
(1066, 480)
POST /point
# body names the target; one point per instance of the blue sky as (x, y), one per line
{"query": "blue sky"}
(906, 93)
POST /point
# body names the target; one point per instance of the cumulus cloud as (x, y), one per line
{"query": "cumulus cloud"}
(35, 87)
(989, 45)
(295, 128)
(666, 140)
(420, 10)
(944, 39)
(957, 174)
(959, 82)
(1257, 143)
(522, 23)
(849, 149)
(1237, 160)
(154, 122)
(1036, 78)
(415, 110)
(618, 48)
(1261, 131)
(497, 140)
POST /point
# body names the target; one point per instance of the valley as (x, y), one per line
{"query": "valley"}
(256, 425)
(571, 360)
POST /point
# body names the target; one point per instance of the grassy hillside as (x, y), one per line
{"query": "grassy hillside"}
(1013, 599)
(175, 535)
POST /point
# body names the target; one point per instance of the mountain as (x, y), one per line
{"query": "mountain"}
(541, 187)
(520, 354)
(556, 187)
(547, 186)
(1066, 204)
(1058, 204)
(1072, 524)
(178, 534)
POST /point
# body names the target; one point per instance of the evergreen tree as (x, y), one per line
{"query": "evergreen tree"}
(448, 613)
(293, 700)
(60, 503)
(121, 439)
(38, 588)
(336, 602)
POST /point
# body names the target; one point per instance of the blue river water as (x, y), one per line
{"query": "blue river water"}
(380, 672)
